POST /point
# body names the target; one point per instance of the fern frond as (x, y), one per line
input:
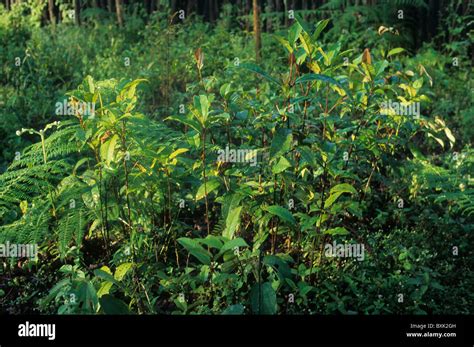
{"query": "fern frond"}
(58, 145)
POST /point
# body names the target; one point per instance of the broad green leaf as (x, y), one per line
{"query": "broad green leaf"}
(201, 103)
(218, 117)
(107, 149)
(395, 51)
(257, 69)
(284, 43)
(230, 202)
(196, 250)
(181, 304)
(178, 152)
(380, 67)
(409, 89)
(104, 289)
(403, 255)
(58, 287)
(234, 310)
(102, 273)
(429, 134)
(186, 121)
(417, 84)
(231, 244)
(369, 71)
(112, 305)
(282, 213)
(325, 56)
(129, 89)
(319, 28)
(336, 191)
(111, 148)
(305, 25)
(307, 155)
(229, 205)
(331, 199)
(263, 298)
(212, 241)
(208, 187)
(88, 295)
(122, 270)
(281, 166)
(281, 142)
(225, 89)
(343, 188)
(294, 32)
(284, 270)
(337, 231)
(450, 136)
(232, 222)
(324, 78)
(89, 84)
(416, 152)
(306, 43)
(300, 56)
(106, 269)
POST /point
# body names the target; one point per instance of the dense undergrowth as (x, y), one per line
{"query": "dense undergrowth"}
(135, 210)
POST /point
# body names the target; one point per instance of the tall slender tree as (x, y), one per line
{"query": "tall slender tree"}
(52, 16)
(269, 9)
(77, 12)
(256, 30)
(247, 11)
(118, 9)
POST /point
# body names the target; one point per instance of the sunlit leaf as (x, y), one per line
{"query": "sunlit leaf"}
(282, 213)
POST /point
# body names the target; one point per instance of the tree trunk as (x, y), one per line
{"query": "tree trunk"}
(269, 9)
(212, 17)
(191, 6)
(77, 12)
(216, 9)
(118, 7)
(278, 10)
(256, 30)
(247, 13)
(52, 17)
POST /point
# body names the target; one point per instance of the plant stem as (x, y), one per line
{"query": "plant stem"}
(205, 179)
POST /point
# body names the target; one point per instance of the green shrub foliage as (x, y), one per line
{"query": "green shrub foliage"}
(198, 181)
